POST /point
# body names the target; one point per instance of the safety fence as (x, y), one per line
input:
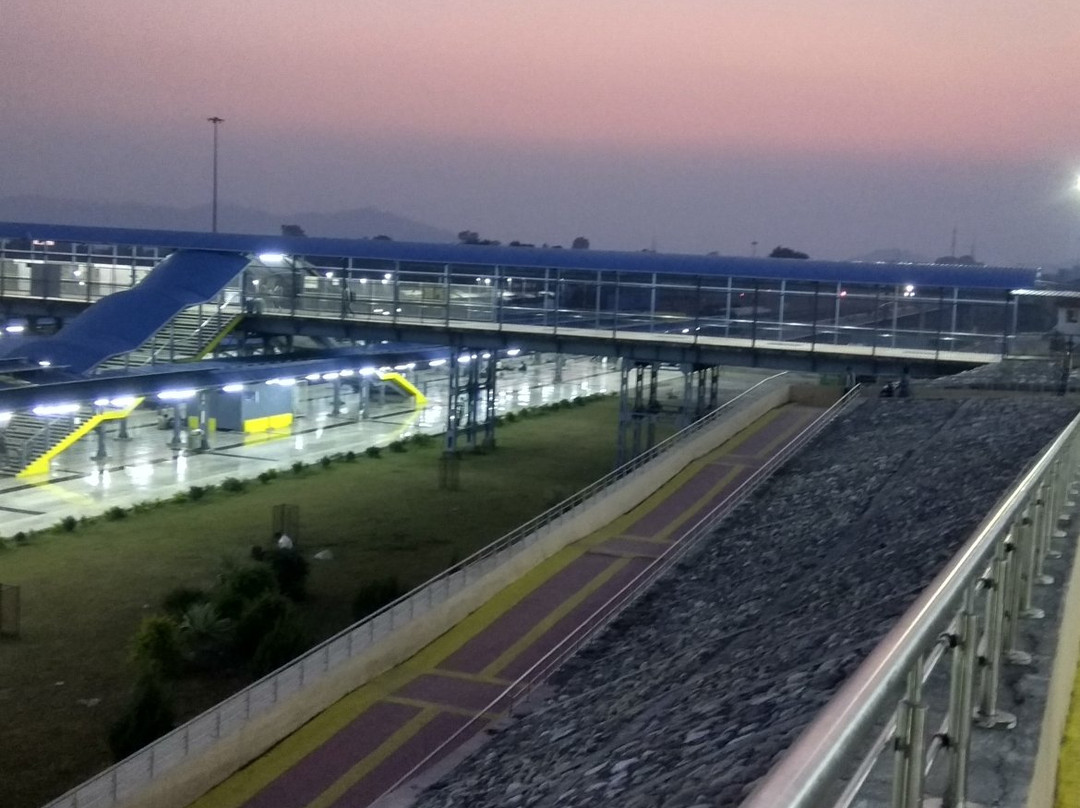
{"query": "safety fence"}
(199, 735)
(970, 618)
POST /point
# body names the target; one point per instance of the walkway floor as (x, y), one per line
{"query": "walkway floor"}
(361, 746)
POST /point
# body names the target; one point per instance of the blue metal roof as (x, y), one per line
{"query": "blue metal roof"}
(490, 256)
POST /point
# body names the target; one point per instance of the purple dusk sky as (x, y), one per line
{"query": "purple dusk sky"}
(831, 126)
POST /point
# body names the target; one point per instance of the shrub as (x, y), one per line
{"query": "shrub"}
(267, 476)
(284, 642)
(422, 439)
(397, 446)
(510, 417)
(196, 492)
(291, 571)
(69, 523)
(179, 600)
(249, 581)
(350, 456)
(116, 512)
(578, 401)
(20, 537)
(374, 595)
(257, 620)
(232, 484)
(205, 635)
(298, 467)
(325, 461)
(373, 451)
(180, 496)
(148, 716)
(157, 647)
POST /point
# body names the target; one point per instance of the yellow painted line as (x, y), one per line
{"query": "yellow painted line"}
(446, 708)
(1068, 771)
(541, 628)
(363, 768)
(479, 678)
(253, 778)
(787, 434)
(695, 510)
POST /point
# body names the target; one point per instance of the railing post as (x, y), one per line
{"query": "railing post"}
(909, 743)
(960, 703)
(988, 714)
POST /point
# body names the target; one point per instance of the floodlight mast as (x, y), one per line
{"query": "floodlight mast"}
(214, 121)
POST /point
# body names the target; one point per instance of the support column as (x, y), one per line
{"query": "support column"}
(559, 360)
(204, 424)
(472, 402)
(449, 477)
(622, 450)
(987, 713)
(490, 400)
(961, 689)
(653, 407)
(176, 444)
(336, 404)
(100, 456)
(365, 396)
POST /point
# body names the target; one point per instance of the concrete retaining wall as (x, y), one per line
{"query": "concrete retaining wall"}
(182, 785)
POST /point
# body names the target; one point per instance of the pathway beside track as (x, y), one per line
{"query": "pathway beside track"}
(351, 753)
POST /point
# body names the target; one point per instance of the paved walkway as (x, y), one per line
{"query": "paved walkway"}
(349, 755)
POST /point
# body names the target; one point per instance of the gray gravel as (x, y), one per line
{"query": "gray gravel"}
(692, 695)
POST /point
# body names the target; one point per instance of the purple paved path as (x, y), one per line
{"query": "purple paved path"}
(320, 769)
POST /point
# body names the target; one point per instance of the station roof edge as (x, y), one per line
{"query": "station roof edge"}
(943, 275)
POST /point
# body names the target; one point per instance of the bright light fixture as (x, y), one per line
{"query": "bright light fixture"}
(55, 409)
(513, 351)
(435, 363)
(271, 258)
(123, 402)
(45, 363)
(235, 387)
(101, 402)
(312, 377)
(329, 377)
(15, 329)
(5, 417)
(176, 395)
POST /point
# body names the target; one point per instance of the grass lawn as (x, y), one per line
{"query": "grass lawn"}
(84, 593)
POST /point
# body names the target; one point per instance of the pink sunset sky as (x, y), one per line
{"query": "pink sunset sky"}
(835, 126)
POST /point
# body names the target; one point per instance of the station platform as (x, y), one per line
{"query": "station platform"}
(145, 467)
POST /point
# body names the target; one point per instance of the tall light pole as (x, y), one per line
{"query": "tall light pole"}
(213, 208)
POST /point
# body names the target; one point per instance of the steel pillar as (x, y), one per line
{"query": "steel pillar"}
(449, 471)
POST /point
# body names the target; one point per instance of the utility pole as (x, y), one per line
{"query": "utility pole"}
(215, 120)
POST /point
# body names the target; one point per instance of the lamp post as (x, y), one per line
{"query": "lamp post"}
(215, 120)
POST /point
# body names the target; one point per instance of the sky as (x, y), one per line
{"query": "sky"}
(831, 126)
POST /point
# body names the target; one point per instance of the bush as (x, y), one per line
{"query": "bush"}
(240, 585)
(116, 512)
(205, 635)
(69, 523)
(397, 446)
(510, 417)
(350, 456)
(157, 647)
(374, 595)
(20, 537)
(325, 461)
(196, 492)
(257, 620)
(422, 439)
(373, 451)
(148, 716)
(267, 476)
(291, 571)
(298, 467)
(232, 484)
(284, 642)
(578, 401)
(179, 600)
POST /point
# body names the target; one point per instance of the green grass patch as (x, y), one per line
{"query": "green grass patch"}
(86, 594)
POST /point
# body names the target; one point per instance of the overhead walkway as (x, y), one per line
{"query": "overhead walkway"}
(159, 320)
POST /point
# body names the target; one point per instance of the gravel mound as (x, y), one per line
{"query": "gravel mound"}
(1031, 375)
(691, 696)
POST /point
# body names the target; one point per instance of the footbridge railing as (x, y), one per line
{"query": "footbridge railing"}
(969, 619)
(130, 776)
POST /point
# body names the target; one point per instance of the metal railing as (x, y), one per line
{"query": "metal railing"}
(126, 778)
(522, 688)
(970, 617)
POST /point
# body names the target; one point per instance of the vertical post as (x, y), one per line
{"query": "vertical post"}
(204, 423)
(621, 449)
(214, 122)
(988, 715)
(909, 743)
(448, 463)
(960, 704)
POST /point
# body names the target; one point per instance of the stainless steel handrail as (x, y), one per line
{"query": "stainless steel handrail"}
(817, 759)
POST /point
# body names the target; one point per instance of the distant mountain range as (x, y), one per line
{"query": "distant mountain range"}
(358, 223)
